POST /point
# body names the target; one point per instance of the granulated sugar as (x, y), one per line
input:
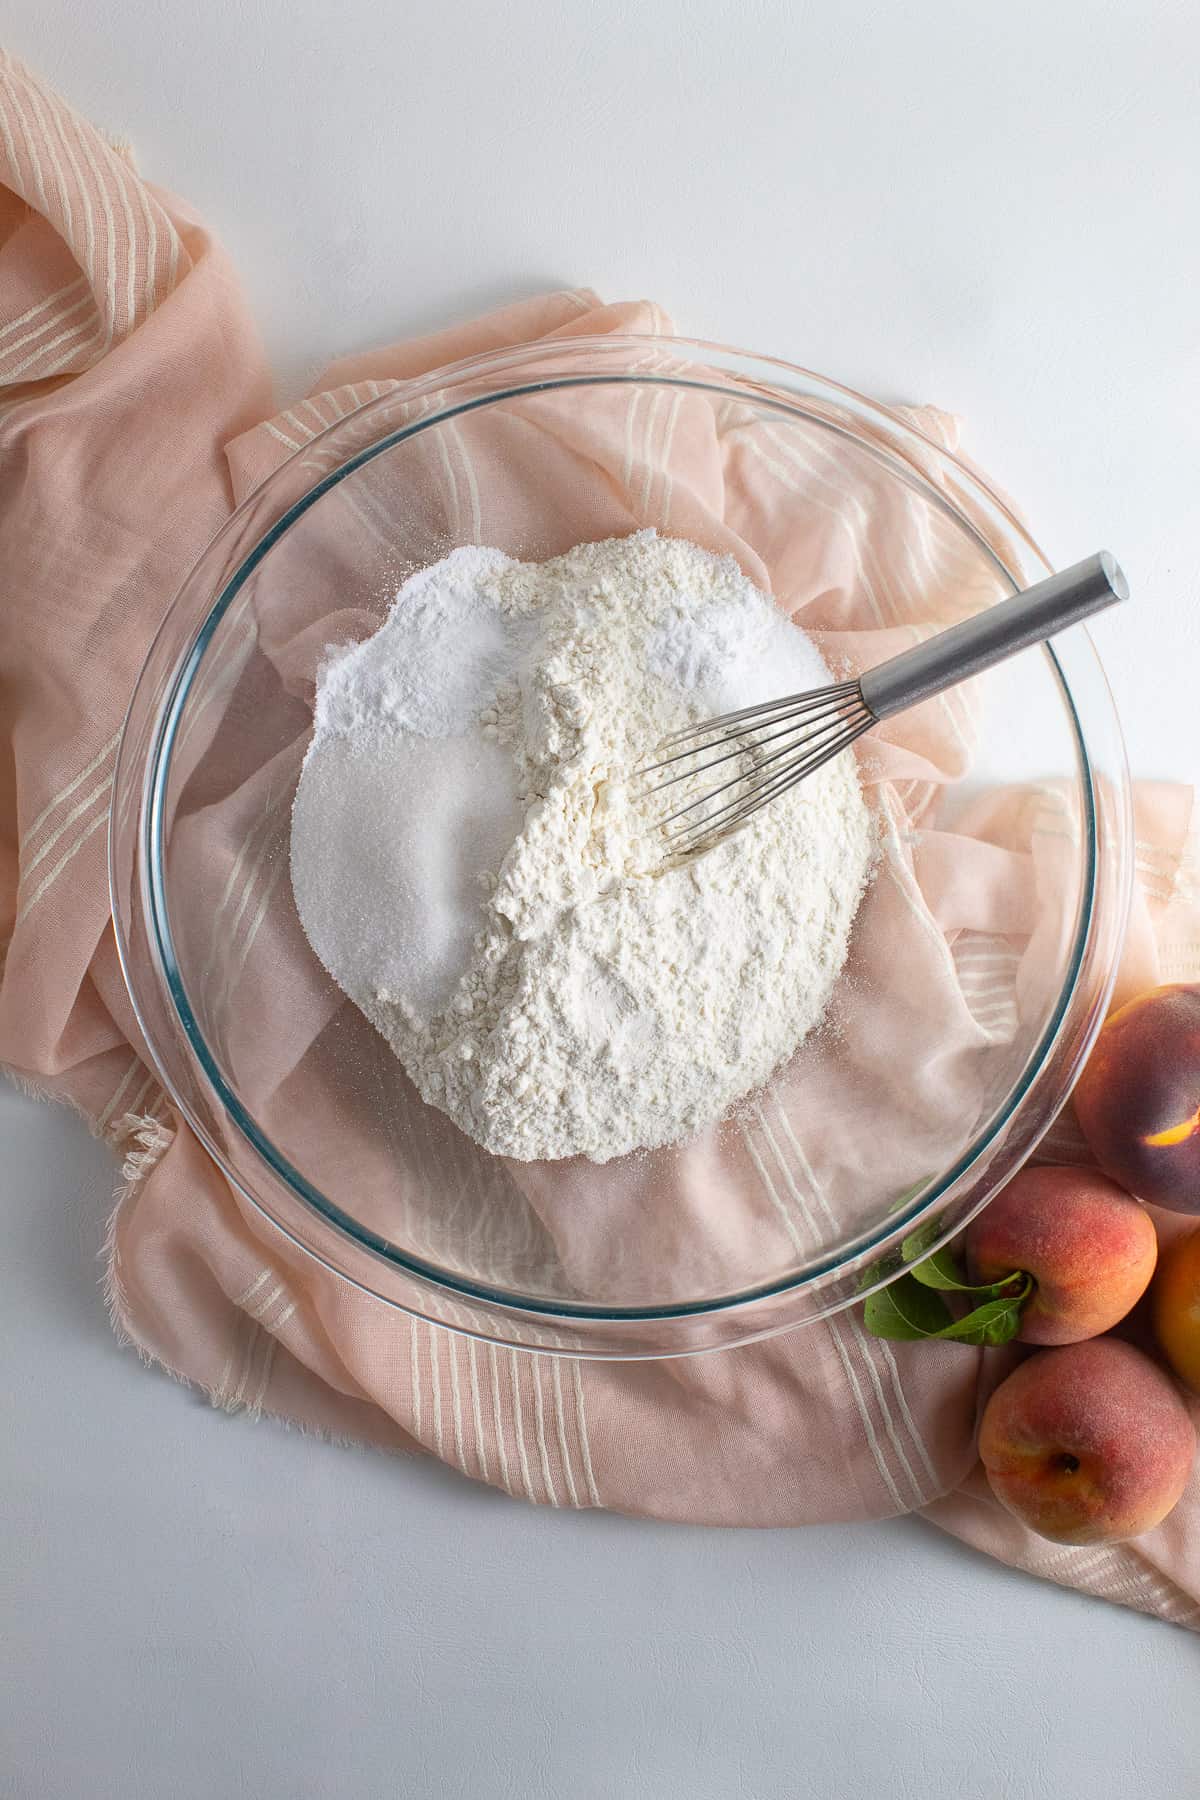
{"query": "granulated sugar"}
(470, 867)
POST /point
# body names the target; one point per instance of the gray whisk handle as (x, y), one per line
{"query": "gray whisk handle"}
(993, 635)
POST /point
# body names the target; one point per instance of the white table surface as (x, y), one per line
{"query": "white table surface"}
(986, 207)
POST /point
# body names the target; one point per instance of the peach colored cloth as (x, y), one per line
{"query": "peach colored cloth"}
(134, 412)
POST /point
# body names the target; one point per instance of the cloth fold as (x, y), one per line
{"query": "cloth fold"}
(134, 413)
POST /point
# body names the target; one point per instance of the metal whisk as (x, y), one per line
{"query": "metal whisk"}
(777, 744)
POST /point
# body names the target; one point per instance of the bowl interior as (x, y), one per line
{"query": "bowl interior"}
(964, 957)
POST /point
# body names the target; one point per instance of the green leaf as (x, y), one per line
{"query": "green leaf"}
(876, 1272)
(941, 1270)
(910, 1193)
(918, 1243)
(944, 1270)
(908, 1310)
(905, 1310)
(995, 1322)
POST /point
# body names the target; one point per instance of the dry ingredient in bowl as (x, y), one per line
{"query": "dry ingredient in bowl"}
(469, 867)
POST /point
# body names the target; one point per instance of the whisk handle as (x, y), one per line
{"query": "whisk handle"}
(992, 636)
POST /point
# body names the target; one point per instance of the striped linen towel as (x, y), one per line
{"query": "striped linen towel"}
(134, 413)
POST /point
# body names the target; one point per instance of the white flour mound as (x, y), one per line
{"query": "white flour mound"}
(469, 865)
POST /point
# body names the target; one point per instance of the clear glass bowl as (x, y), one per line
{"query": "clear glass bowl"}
(299, 1101)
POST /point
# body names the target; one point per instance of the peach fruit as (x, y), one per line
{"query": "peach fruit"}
(1090, 1248)
(1138, 1099)
(1175, 1307)
(1087, 1444)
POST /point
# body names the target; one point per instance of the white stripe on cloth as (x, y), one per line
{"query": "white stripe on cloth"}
(252, 1343)
(455, 506)
(100, 792)
(109, 237)
(459, 1159)
(519, 1362)
(656, 401)
(5, 132)
(984, 949)
(584, 1440)
(75, 336)
(635, 400)
(119, 1092)
(840, 1345)
(768, 1187)
(222, 667)
(243, 1334)
(243, 1300)
(560, 1417)
(668, 480)
(287, 442)
(54, 322)
(435, 1384)
(452, 1344)
(896, 867)
(988, 984)
(497, 1419)
(221, 1390)
(150, 292)
(30, 141)
(263, 1343)
(224, 675)
(414, 1377)
(132, 311)
(64, 198)
(839, 510)
(820, 471)
(255, 1404)
(218, 936)
(259, 1343)
(48, 880)
(136, 1106)
(477, 1410)
(265, 851)
(884, 1348)
(77, 356)
(514, 1370)
(263, 1306)
(535, 1373)
(464, 1162)
(819, 476)
(238, 964)
(89, 223)
(835, 1322)
(472, 484)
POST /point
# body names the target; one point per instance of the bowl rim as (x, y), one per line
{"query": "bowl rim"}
(850, 1253)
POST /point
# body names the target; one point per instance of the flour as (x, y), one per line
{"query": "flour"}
(472, 867)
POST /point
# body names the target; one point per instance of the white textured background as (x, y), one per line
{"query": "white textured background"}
(994, 209)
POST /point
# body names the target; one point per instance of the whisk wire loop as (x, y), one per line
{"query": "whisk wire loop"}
(813, 727)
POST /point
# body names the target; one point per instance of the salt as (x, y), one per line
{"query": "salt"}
(406, 797)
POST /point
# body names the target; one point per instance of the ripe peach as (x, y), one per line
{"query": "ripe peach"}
(1090, 1248)
(1088, 1444)
(1138, 1099)
(1175, 1307)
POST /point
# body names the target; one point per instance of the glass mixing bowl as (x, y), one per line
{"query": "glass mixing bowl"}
(790, 1206)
